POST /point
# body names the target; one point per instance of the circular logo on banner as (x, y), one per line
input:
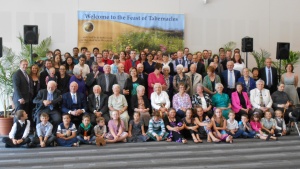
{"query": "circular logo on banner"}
(88, 27)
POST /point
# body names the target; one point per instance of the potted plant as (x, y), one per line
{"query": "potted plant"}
(229, 46)
(260, 57)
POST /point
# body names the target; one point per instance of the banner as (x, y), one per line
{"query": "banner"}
(116, 30)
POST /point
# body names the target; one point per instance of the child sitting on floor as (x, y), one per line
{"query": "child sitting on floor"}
(100, 131)
(191, 126)
(232, 127)
(245, 126)
(85, 132)
(268, 126)
(136, 132)
(116, 129)
(18, 136)
(66, 132)
(280, 123)
(156, 129)
(44, 132)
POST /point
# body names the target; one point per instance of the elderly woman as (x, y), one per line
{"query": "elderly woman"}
(247, 81)
(78, 79)
(181, 78)
(282, 101)
(156, 77)
(168, 79)
(201, 99)
(140, 103)
(210, 80)
(240, 102)
(160, 99)
(166, 62)
(221, 100)
(117, 102)
(181, 101)
(261, 99)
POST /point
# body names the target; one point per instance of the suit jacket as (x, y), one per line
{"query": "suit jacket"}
(102, 82)
(135, 104)
(262, 74)
(237, 75)
(236, 104)
(43, 76)
(22, 88)
(103, 103)
(145, 79)
(255, 98)
(197, 80)
(68, 102)
(91, 81)
(200, 69)
(42, 95)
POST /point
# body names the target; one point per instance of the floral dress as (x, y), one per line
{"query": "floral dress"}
(174, 135)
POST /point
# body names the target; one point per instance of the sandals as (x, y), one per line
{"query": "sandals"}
(229, 139)
(200, 141)
(209, 139)
(196, 140)
(216, 140)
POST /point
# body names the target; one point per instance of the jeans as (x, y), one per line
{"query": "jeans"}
(83, 141)
(237, 134)
(249, 134)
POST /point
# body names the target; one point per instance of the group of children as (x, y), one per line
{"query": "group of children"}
(216, 128)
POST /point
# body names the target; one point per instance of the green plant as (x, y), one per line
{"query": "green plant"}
(293, 59)
(260, 57)
(229, 45)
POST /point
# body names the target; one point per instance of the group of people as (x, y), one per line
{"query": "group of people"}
(153, 96)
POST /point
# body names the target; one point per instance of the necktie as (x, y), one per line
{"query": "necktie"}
(107, 83)
(51, 98)
(179, 61)
(97, 103)
(231, 80)
(74, 99)
(193, 79)
(269, 78)
(141, 76)
(26, 76)
(261, 99)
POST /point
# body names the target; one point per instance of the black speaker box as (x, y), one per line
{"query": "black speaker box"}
(31, 34)
(247, 44)
(283, 50)
(1, 47)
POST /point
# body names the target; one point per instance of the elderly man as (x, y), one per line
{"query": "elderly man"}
(269, 75)
(48, 101)
(107, 80)
(195, 79)
(98, 105)
(74, 103)
(260, 99)
(121, 76)
(230, 77)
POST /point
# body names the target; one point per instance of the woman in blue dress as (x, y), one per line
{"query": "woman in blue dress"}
(221, 100)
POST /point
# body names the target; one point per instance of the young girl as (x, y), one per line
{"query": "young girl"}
(205, 125)
(156, 129)
(116, 129)
(114, 67)
(219, 126)
(66, 132)
(232, 126)
(136, 132)
(100, 131)
(268, 126)
(174, 126)
(280, 123)
(85, 132)
(190, 125)
(51, 76)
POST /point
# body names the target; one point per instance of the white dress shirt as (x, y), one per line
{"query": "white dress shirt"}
(156, 100)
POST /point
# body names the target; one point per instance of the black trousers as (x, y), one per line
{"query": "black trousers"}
(55, 117)
(9, 143)
(36, 140)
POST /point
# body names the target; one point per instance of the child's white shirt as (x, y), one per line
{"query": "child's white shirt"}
(232, 125)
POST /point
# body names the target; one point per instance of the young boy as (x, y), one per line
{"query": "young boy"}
(85, 132)
(245, 126)
(66, 132)
(51, 76)
(280, 123)
(232, 126)
(100, 131)
(18, 136)
(44, 132)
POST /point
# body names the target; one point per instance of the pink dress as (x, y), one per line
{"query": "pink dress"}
(255, 125)
(152, 79)
(115, 128)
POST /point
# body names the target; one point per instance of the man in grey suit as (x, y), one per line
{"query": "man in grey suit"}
(47, 101)
(195, 79)
(22, 84)
(98, 105)
(107, 80)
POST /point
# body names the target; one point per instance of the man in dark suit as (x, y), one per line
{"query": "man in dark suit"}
(269, 75)
(180, 61)
(206, 59)
(74, 103)
(142, 75)
(98, 105)
(229, 78)
(45, 73)
(48, 101)
(23, 89)
(107, 80)
(89, 59)
(91, 78)
(200, 68)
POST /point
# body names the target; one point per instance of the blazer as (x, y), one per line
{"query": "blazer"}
(197, 80)
(135, 104)
(200, 69)
(237, 75)
(128, 84)
(145, 79)
(251, 86)
(128, 65)
(102, 81)
(68, 102)
(236, 104)
(262, 75)
(91, 81)
(22, 88)
(42, 95)
(43, 76)
(255, 98)
(103, 103)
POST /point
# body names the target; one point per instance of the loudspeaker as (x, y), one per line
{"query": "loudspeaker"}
(247, 44)
(31, 35)
(283, 50)
(1, 47)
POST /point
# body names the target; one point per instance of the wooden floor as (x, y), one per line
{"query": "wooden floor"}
(243, 153)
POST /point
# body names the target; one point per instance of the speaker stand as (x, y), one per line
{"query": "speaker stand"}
(246, 59)
(31, 59)
(279, 72)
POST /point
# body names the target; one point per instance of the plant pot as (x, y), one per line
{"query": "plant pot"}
(5, 125)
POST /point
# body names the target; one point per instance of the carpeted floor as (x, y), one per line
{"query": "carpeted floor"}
(243, 153)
